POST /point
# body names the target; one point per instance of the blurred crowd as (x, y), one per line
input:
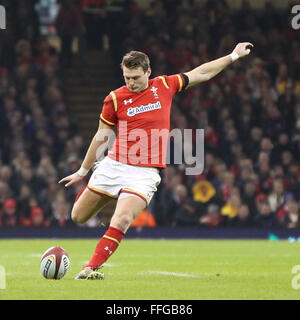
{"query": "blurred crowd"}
(38, 135)
(250, 114)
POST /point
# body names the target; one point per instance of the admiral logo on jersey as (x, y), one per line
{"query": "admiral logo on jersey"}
(149, 107)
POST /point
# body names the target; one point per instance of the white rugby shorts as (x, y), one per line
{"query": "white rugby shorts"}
(118, 180)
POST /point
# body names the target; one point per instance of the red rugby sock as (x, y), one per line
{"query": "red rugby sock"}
(107, 245)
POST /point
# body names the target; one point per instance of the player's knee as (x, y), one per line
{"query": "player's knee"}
(76, 217)
(126, 220)
(122, 221)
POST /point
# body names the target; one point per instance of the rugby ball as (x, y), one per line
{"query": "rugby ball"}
(54, 263)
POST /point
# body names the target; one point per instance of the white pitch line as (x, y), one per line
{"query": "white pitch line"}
(104, 264)
(110, 264)
(35, 255)
(166, 273)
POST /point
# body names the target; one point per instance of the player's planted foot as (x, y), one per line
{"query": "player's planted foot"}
(90, 273)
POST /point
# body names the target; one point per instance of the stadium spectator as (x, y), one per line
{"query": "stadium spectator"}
(288, 216)
(37, 218)
(242, 219)
(248, 196)
(5, 192)
(277, 197)
(204, 194)
(185, 213)
(8, 216)
(61, 210)
(212, 217)
(94, 19)
(69, 23)
(265, 217)
(203, 191)
(24, 196)
(231, 207)
(164, 211)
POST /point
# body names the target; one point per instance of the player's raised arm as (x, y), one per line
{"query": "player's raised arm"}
(97, 147)
(208, 70)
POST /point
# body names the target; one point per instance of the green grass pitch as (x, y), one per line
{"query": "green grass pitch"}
(157, 270)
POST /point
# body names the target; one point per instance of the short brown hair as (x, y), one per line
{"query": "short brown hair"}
(135, 59)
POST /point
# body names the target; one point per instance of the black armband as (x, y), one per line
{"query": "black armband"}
(186, 81)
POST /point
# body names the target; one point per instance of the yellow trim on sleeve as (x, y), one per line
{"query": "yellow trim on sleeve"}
(164, 82)
(113, 95)
(106, 121)
(180, 82)
(111, 238)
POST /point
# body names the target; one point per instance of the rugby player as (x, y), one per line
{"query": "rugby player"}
(130, 173)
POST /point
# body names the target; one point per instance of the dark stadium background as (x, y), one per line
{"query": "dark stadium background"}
(59, 59)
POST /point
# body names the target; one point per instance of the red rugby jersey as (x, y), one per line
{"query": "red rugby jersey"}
(143, 121)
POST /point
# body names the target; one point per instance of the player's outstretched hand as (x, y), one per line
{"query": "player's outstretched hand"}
(71, 179)
(243, 48)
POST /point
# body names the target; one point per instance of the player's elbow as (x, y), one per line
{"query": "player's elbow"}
(204, 73)
(205, 77)
(198, 75)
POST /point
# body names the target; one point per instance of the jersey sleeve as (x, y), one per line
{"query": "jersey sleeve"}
(175, 82)
(108, 114)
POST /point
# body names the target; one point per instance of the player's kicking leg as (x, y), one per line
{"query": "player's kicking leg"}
(86, 206)
(127, 210)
